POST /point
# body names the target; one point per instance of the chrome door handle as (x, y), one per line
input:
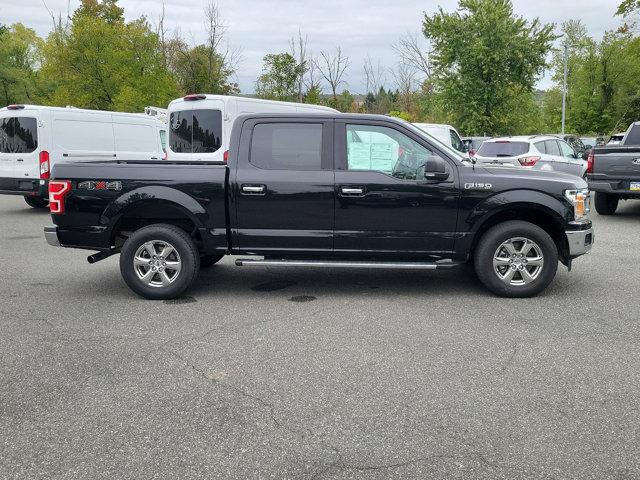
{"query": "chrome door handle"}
(19, 160)
(352, 191)
(253, 189)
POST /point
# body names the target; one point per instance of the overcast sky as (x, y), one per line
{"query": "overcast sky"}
(360, 27)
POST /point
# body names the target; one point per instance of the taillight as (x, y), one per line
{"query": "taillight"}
(528, 161)
(15, 107)
(58, 189)
(44, 165)
(195, 96)
(164, 155)
(591, 159)
(225, 156)
(472, 152)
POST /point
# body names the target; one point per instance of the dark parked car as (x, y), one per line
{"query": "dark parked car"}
(323, 190)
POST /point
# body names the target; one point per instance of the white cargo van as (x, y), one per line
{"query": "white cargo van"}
(445, 133)
(33, 138)
(200, 125)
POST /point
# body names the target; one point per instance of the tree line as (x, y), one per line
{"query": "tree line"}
(475, 68)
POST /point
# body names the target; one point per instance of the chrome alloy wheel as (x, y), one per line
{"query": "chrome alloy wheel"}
(157, 263)
(518, 261)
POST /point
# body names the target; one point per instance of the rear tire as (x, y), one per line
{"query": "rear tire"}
(207, 261)
(159, 261)
(505, 248)
(606, 204)
(36, 202)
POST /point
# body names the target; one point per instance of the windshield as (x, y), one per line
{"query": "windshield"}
(503, 149)
(442, 146)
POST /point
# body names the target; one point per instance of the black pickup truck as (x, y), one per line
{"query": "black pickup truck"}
(328, 190)
(613, 171)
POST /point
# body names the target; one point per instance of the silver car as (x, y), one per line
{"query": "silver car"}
(538, 152)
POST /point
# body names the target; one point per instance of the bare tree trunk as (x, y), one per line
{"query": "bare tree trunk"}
(332, 68)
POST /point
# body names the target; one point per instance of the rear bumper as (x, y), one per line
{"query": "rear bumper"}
(51, 235)
(615, 187)
(24, 186)
(580, 241)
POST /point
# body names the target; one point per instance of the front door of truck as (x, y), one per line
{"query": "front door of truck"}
(284, 187)
(384, 203)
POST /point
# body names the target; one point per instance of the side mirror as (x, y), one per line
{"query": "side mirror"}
(435, 169)
(585, 154)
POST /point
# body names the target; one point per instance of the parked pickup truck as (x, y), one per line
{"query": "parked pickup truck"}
(323, 190)
(613, 171)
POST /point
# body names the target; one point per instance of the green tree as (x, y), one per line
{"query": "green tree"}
(279, 80)
(485, 57)
(20, 59)
(100, 61)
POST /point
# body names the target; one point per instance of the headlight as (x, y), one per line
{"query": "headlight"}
(581, 201)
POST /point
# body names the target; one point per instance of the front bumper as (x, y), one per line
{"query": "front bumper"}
(51, 235)
(580, 241)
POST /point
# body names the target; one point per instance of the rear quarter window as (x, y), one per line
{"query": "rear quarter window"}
(503, 149)
(633, 138)
(18, 134)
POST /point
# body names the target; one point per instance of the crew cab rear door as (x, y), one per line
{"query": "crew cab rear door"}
(284, 188)
(384, 203)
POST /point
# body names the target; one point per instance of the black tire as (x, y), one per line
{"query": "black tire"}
(492, 240)
(36, 202)
(606, 204)
(207, 261)
(187, 257)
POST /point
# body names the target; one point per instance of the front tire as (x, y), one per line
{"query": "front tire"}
(516, 259)
(606, 204)
(36, 202)
(159, 261)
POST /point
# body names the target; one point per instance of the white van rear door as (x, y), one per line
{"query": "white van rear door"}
(82, 135)
(196, 130)
(19, 144)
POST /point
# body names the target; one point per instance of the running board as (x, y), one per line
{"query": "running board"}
(250, 262)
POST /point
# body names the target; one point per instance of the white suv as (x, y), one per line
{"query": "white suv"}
(538, 152)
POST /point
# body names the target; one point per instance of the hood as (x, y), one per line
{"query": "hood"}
(521, 173)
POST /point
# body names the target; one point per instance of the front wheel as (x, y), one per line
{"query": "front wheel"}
(516, 259)
(36, 202)
(159, 261)
(606, 204)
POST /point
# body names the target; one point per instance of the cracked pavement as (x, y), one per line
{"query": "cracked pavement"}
(376, 375)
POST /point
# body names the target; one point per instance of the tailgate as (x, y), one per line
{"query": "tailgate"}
(619, 163)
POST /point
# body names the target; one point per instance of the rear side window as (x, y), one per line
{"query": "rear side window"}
(541, 147)
(18, 135)
(503, 149)
(195, 131)
(551, 147)
(634, 136)
(287, 146)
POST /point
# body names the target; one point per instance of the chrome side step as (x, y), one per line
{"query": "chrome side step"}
(250, 262)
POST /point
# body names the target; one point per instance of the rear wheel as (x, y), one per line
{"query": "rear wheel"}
(606, 204)
(36, 202)
(159, 261)
(516, 259)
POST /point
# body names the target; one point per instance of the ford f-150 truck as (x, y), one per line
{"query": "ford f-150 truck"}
(613, 171)
(323, 190)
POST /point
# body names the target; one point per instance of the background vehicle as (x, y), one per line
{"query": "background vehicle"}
(200, 125)
(614, 171)
(615, 139)
(576, 143)
(472, 144)
(33, 138)
(537, 152)
(323, 190)
(590, 142)
(445, 133)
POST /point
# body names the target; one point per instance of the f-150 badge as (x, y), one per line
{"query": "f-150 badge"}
(478, 186)
(100, 185)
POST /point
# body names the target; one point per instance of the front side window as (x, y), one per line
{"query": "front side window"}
(455, 141)
(195, 131)
(385, 150)
(566, 150)
(287, 146)
(18, 135)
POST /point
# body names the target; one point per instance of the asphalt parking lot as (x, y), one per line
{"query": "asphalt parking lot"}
(327, 374)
